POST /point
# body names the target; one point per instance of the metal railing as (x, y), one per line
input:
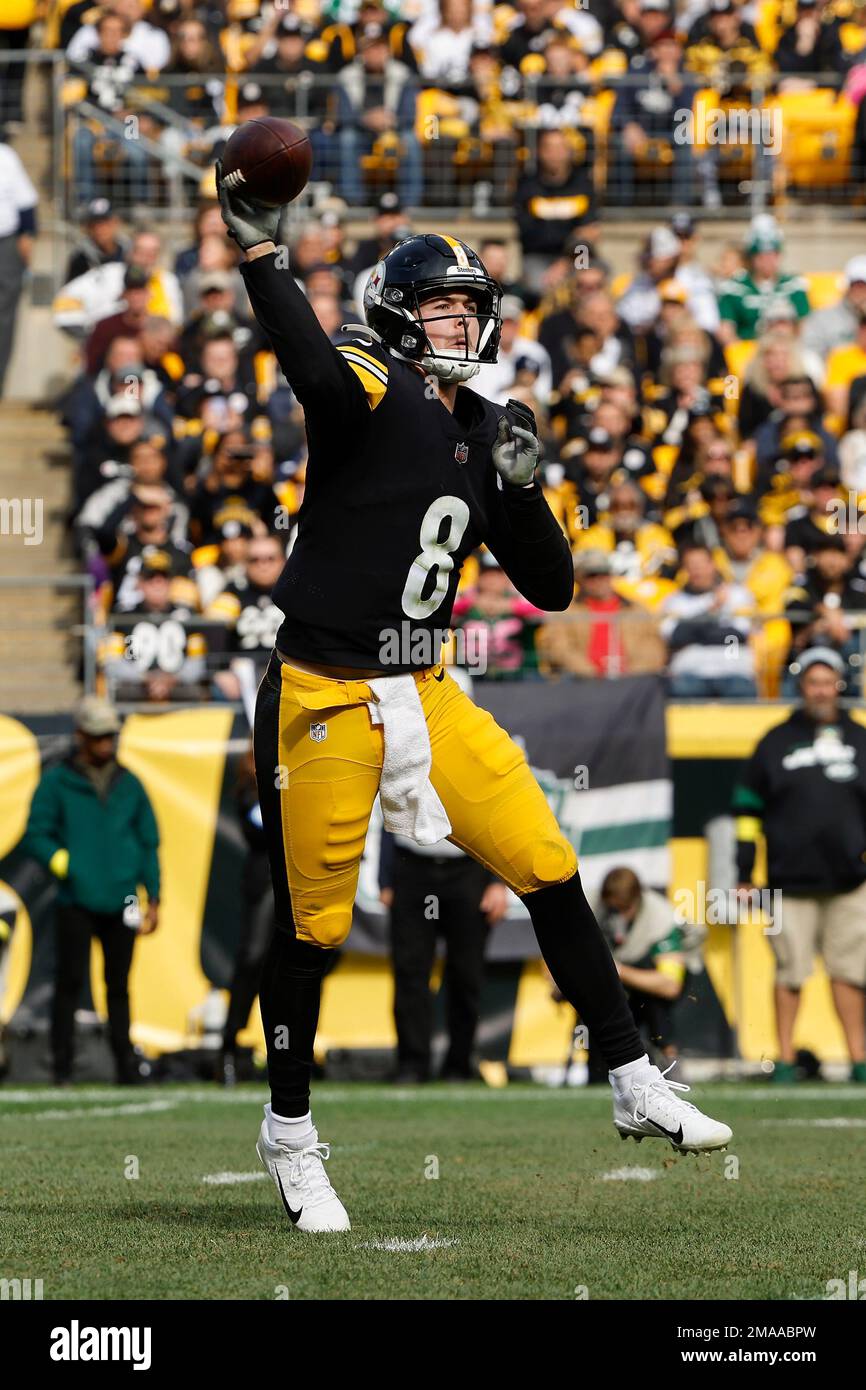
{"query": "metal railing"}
(491, 653)
(747, 147)
(747, 648)
(514, 649)
(730, 150)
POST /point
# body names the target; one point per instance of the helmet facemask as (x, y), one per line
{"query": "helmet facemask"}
(458, 363)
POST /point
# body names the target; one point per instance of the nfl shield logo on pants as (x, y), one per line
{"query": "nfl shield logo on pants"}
(318, 732)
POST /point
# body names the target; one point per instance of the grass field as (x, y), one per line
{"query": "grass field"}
(521, 1207)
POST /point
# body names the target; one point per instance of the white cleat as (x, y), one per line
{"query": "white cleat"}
(652, 1109)
(310, 1201)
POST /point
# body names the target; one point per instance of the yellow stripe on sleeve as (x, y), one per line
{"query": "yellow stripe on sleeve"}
(351, 350)
(371, 374)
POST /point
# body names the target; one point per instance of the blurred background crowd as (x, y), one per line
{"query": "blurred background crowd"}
(448, 98)
(703, 416)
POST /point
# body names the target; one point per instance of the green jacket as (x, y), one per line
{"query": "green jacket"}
(112, 841)
(743, 302)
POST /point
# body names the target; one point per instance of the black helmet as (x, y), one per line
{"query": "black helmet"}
(413, 271)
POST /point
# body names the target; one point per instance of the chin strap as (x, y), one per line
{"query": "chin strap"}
(457, 370)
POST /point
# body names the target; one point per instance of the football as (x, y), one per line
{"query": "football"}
(268, 160)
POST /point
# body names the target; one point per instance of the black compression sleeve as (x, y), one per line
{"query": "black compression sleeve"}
(318, 374)
(529, 544)
(579, 959)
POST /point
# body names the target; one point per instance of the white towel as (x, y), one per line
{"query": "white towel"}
(410, 803)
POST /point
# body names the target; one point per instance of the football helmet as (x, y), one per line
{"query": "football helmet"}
(413, 271)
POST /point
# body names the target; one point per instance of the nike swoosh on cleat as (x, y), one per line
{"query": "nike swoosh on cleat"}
(440, 677)
(675, 1136)
(294, 1216)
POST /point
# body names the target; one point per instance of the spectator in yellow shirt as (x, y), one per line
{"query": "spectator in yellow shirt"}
(843, 365)
(743, 558)
(636, 547)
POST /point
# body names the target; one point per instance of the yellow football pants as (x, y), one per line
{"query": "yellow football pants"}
(317, 789)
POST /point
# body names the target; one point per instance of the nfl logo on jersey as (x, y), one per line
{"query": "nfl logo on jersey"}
(461, 453)
(318, 732)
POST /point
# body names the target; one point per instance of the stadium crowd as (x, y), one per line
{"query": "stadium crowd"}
(704, 425)
(450, 99)
(440, 96)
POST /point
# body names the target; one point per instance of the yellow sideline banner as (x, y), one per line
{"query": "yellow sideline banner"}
(181, 757)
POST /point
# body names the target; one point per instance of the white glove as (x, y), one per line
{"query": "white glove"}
(248, 223)
(515, 453)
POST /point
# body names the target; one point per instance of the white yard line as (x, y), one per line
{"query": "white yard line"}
(830, 1122)
(229, 1179)
(364, 1094)
(73, 1094)
(630, 1175)
(105, 1112)
(399, 1245)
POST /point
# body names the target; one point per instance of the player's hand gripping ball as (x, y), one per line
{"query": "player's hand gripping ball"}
(249, 224)
(265, 165)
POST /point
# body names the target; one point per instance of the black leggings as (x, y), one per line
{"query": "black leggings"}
(458, 885)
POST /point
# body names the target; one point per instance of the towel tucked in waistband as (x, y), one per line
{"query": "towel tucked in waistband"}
(410, 803)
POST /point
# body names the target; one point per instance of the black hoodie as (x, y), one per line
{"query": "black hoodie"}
(806, 783)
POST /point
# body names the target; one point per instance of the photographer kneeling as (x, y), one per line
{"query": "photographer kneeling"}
(649, 949)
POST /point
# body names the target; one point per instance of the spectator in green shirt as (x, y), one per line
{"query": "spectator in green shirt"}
(745, 298)
(650, 950)
(92, 826)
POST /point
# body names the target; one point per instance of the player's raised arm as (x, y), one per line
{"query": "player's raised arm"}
(332, 393)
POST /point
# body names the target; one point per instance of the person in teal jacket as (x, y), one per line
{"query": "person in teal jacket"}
(92, 826)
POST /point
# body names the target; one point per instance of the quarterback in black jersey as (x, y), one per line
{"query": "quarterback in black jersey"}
(400, 487)
(409, 471)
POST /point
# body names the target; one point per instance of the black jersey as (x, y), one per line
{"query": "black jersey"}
(399, 491)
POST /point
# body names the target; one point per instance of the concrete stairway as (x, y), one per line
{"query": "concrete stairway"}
(40, 639)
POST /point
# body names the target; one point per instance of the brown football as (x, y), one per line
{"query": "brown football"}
(268, 160)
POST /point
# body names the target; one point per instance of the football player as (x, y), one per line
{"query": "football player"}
(409, 471)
